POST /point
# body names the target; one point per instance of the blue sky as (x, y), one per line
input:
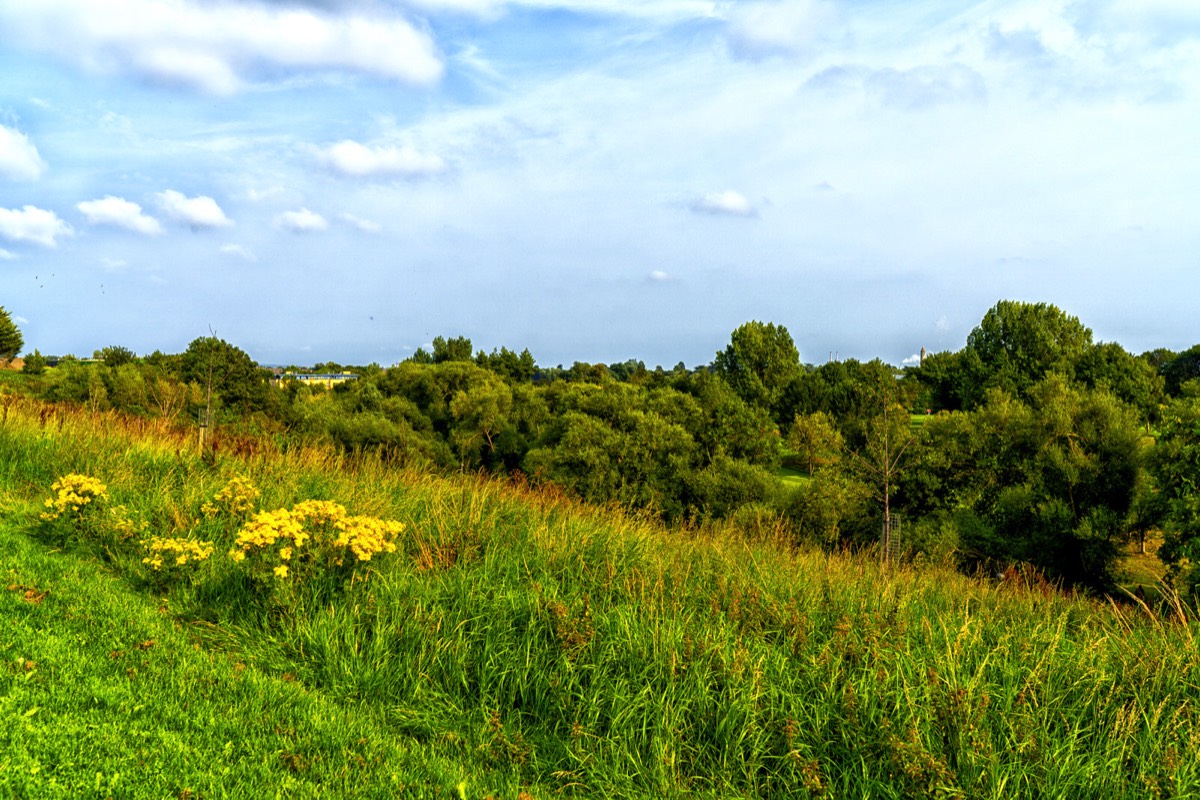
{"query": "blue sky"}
(594, 180)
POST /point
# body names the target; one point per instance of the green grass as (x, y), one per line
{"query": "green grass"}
(525, 644)
(106, 693)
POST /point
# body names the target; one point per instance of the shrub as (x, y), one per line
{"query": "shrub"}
(316, 542)
(170, 558)
(72, 513)
(236, 501)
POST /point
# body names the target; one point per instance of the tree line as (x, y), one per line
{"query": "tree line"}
(1032, 444)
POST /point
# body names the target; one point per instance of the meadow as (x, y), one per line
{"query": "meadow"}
(518, 644)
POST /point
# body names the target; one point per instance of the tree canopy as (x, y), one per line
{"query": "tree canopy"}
(11, 340)
(758, 363)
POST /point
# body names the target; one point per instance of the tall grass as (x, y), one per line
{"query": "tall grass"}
(589, 652)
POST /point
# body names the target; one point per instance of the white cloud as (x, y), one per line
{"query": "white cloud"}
(119, 212)
(666, 10)
(302, 221)
(218, 47)
(354, 160)
(238, 251)
(926, 86)
(32, 224)
(364, 225)
(727, 203)
(791, 27)
(659, 276)
(913, 360)
(114, 263)
(6, 256)
(196, 212)
(19, 159)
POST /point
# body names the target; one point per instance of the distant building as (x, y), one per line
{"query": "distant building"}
(326, 379)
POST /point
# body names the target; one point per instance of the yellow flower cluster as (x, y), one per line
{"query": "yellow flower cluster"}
(124, 525)
(315, 530)
(72, 493)
(237, 499)
(173, 552)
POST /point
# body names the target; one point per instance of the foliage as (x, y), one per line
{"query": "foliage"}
(815, 440)
(1052, 479)
(236, 500)
(227, 372)
(517, 642)
(11, 340)
(1016, 345)
(1180, 369)
(115, 356)
(455, 349)
(171, 558)
(758, 363)
(1175, 467)
(35, 364)
(314, 541)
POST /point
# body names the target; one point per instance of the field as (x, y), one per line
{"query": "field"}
(517, 644)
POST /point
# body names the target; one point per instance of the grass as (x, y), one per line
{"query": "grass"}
(531, 646)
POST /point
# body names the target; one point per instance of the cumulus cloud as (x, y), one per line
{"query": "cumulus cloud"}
(794, 27)
(196, 212)
(237, 251)
(32, 224)
(355, 160)
(19, 159)
(302, 221)
(364, 225)
(119, 212)
(727, 203)
(218, 47)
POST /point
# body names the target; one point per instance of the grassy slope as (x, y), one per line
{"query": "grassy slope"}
(105, 694)
(523, 644)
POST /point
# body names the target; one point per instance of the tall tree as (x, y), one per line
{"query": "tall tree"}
(226, 372)
(1016, 345)
(456, 349)
(1175, 467)
(11, 340)
(758, 363)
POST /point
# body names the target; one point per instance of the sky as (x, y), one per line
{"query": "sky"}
(594, 180)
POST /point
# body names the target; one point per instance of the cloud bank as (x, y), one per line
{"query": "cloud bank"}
(219, 47)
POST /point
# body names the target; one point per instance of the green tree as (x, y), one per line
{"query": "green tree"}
(225, 373)
(758, 363)
(1049, 480)
(115, 356)
(1016, 345)
(11, 340)
(1180, 369)
(35, 364)
(815, 440)
(1174, 464)
(1132, 379)
(480, 414)
(456, 349)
